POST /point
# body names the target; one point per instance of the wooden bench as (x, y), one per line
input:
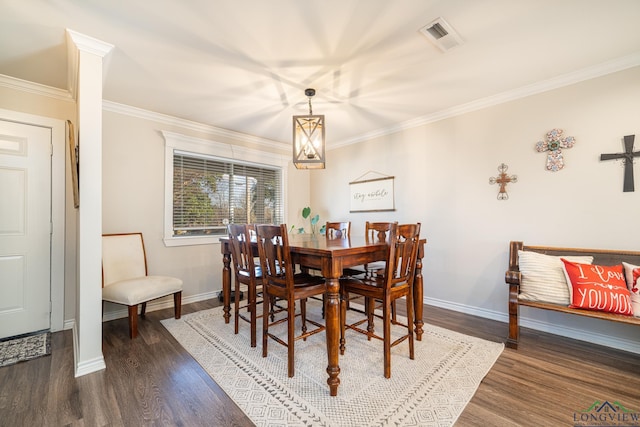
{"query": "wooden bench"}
(513, 277)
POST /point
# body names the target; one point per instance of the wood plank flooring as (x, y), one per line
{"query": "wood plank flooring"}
(153, 381)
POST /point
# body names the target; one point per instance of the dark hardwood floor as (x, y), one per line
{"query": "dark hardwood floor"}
(152, 380)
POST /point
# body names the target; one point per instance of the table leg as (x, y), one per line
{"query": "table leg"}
(417, 299)
(226, 286)
(332, 319)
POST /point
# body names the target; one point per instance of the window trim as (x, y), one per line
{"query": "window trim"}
(233, 153)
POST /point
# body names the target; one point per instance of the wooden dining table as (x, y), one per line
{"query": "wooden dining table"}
(330, 257)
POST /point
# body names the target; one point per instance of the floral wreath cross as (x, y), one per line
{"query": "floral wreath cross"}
(553, 144)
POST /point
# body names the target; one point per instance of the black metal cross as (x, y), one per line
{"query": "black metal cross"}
(628, 156)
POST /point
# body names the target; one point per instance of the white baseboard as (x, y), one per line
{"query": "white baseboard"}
(578, 334)
(87, 366)
(152, 306)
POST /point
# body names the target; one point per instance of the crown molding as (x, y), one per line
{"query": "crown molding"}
(194, 126)
(36, 88)
(89, 44)
(588, 73)
(76, 43)
(65, 95)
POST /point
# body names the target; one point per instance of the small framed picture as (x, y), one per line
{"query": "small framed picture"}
(75, 164)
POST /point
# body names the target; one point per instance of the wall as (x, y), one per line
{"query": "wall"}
(133, 200)
(442, 172)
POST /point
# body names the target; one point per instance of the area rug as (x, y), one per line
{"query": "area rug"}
(431, 390)
(24, 348)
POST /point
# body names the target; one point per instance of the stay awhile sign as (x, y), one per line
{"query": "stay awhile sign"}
(372, 195)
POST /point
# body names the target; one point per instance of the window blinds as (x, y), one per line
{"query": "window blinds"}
(209, 193)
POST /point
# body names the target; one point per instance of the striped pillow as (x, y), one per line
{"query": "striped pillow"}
(543, 277)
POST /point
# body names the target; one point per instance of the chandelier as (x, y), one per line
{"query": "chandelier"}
(308, 138)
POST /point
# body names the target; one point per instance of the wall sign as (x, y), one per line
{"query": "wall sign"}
(372, 195)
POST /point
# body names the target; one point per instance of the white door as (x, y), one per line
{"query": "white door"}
(25, 228)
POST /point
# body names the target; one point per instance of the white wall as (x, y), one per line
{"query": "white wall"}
(442, 173)
(133, 200)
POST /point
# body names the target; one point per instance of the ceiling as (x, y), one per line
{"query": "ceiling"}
(243, 65)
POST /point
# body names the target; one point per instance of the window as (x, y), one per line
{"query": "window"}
(210, 184)
(209, 193)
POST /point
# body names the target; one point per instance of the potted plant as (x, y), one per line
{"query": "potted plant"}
(313, 221)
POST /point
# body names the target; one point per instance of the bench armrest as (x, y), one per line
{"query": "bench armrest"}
(512, 277)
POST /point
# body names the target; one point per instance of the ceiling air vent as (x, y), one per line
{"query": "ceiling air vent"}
(441, 34)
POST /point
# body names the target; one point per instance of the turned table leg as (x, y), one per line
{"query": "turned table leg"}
(332, 319)
(417, 296)
(226, 286)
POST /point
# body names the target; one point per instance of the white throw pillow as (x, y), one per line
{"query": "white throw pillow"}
(634, 286)
(543, 277)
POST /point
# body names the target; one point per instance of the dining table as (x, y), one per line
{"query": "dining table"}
(330, 257)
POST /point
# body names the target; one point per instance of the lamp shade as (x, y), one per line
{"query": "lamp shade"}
(308, 142)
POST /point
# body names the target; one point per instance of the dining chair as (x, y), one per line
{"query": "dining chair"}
(280, 280)
(338, 230)
(247, 274)
(396, 282)
(125, 280)
(377, 232)
(374, 232)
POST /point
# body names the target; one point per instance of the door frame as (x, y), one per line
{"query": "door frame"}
(58, 203)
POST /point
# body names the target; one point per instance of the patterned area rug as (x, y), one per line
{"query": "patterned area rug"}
(431, 390)
(25, 348)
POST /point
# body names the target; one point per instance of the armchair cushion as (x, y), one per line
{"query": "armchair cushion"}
(141, 289)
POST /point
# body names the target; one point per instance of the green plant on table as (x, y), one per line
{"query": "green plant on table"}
(313, 221)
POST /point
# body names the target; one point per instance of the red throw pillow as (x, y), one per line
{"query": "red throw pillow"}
(598, 287)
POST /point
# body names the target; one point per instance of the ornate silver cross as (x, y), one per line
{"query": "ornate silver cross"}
(553, 144)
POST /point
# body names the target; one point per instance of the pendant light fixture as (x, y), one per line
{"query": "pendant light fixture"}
(308, 138)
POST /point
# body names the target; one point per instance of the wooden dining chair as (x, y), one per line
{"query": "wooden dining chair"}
(247, 274)
(374, 232)
(280, 280)
(396, 282)
(338, 230)
(377, 232)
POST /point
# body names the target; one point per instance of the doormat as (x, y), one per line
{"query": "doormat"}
(24, 348)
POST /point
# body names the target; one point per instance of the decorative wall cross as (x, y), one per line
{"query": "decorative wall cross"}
(503, 179)
(627, 156)
(553, 144)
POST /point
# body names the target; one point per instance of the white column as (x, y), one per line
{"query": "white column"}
(88, 326)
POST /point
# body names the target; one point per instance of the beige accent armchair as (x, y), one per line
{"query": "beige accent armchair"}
(125, 280)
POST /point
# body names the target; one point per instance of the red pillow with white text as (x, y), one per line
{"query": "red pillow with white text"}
(598, 287)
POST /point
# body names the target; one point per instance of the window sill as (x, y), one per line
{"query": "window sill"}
(191, 240)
